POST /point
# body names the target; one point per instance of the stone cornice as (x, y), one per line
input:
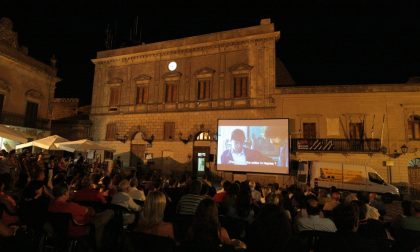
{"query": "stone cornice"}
(28, 62)
(357, 88)
(187, 50)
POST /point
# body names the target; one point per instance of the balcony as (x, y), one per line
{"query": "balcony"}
(333, 145)
(19, 120)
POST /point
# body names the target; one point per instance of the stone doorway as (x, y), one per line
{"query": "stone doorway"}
(137, 154)
(414, 178)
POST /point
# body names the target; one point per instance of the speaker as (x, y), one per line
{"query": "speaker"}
(211, 157)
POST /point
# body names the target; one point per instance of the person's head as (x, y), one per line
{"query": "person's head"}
(346, 217)
(226, 184)
(335, 195)
(273, 227)
(134, 182)
(61, 191)
(372, 196)
(252, 185)
(312, 205)
(124, 186)
(351, 197)
(195, 187)
(154, 209)
(238, 139)
(362, 209)
(207, 209)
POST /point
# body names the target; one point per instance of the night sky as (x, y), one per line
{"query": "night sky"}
(322, 42)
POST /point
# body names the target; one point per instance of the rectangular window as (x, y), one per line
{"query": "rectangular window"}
(171, 92)
(142, 95)
(169, 131)
(1, 103)
(356, 130)
(114, 96)
(414, 127)
(309, 130)
(31, 114)
(240, 87)
(203, 90)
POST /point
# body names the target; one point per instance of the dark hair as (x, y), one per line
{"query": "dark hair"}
(59, 190)
(205, 226)
(238, 135)
(195, 187)
(345, 217)
(271, 230)
(362, 208)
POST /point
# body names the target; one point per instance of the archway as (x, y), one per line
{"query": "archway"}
(137, 149)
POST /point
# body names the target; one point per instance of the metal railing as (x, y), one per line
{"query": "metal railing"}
(335, 145)
(19, 120)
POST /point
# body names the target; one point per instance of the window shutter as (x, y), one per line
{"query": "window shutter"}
(169, 131)
(114, 96)
(111, 131)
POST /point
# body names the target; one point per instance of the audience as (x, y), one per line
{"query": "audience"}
(153, 213)
(314, 221)
(239, 210)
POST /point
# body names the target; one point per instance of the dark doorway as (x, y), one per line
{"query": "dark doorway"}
(137, 153)
(200, 159)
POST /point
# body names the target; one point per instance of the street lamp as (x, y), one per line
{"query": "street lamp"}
(396, 154)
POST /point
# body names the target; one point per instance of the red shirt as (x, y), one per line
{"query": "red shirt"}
(219, 197)
(78, 212)
(88, 194)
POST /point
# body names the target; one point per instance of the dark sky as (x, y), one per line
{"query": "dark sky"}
(322, 42)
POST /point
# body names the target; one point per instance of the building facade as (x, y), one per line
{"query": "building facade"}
(26, 86)
(66, 114)
(163, 100)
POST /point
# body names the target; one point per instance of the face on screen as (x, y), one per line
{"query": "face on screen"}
(253, 146)
(237, 146)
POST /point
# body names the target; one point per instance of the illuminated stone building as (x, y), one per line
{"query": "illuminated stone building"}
(26, 86)
(163, 100)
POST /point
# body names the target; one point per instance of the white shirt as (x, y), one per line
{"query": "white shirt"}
(124, 199)
(239, 158)
(315, 222)
(136, 194)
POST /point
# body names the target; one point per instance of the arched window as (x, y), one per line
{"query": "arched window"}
(203, 136)
(414, 127)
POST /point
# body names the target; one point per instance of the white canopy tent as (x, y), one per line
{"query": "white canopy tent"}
(13, 134)
(82, 146)
(47, 143)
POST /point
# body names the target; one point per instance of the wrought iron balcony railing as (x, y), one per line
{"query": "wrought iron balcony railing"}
(19, 120)
(335, 145)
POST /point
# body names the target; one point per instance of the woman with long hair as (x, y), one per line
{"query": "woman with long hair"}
(152, 222)
(206, 230)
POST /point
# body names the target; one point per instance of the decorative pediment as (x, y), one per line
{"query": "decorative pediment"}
(172, 76)
(241, 68)
(32, 93)
(142, 79)
(114, 81)
(205, 72)
(4, 86)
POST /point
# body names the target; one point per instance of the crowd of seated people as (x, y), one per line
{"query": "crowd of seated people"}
(120, 211)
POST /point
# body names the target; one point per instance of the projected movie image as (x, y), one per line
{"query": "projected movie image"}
(260, 146)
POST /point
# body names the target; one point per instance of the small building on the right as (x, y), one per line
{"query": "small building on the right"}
(369, 124)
